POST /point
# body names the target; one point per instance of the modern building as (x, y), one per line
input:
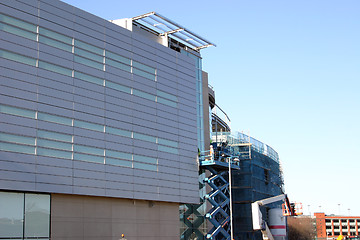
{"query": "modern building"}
(259, 176)
(238, 170)
(100, 123)
(332, 226)
(193, 224)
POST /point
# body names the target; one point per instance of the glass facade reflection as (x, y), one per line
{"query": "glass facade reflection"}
(199, 99)
(24, 215)
(193, 222)
(11, 215)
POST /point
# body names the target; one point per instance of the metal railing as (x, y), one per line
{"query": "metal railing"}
(237, 137)
(208, 156)
(221, 114)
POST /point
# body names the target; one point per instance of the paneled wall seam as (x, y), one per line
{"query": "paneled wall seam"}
(78, 104)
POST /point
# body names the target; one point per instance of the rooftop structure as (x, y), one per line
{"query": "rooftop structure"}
(166, 27)
(170, 34)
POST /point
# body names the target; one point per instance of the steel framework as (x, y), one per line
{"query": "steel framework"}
(164, 26)
(219, 198)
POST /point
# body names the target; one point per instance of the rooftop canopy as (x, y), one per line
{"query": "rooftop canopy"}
(164, 26)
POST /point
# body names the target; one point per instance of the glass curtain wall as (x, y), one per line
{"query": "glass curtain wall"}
(199, 99)
(193, 222)
(24, 216)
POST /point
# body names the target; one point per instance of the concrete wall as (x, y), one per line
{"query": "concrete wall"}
(205, 90)
(32, 86)
(83, 217)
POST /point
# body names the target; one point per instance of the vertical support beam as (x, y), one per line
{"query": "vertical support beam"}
(341, 232)
(164, 40)
(231, 215)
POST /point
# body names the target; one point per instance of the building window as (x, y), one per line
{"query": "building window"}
(167, 142)
(118, 65)
(145, 166)
(24, 215)
(37, 216)
(144, 74)
(89, 78)
(17, 139)
(266, 176)
(88, 62)
(55, 68)
(88, 125)
(118, 162)
(54, 119)
(55, 36)
(18, 31)
(168, 149)
(144, 137)
(89, 47)
(18, 58)
(88, 158)
(17, 111)
(53, 153)
(166, 102)
(118, 158)
(118, 87)
(167, 95)
(54, 43)
(89, 55)
(16, 26)
(145, 163)
(144, 95)
(118, 132)
(16, 143)
(54, 136)
(144, 70)
(118, 58)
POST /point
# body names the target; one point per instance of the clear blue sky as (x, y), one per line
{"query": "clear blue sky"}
(288, 72)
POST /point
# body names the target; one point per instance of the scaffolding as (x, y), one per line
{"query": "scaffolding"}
(219, 198)
(258, 176)
(238, 170)
(219, 164)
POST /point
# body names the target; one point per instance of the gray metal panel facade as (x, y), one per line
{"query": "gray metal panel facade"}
(88, 107)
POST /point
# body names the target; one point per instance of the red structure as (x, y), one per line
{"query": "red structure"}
(330, 227)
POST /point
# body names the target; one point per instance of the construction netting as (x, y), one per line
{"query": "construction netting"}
(259, 177)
